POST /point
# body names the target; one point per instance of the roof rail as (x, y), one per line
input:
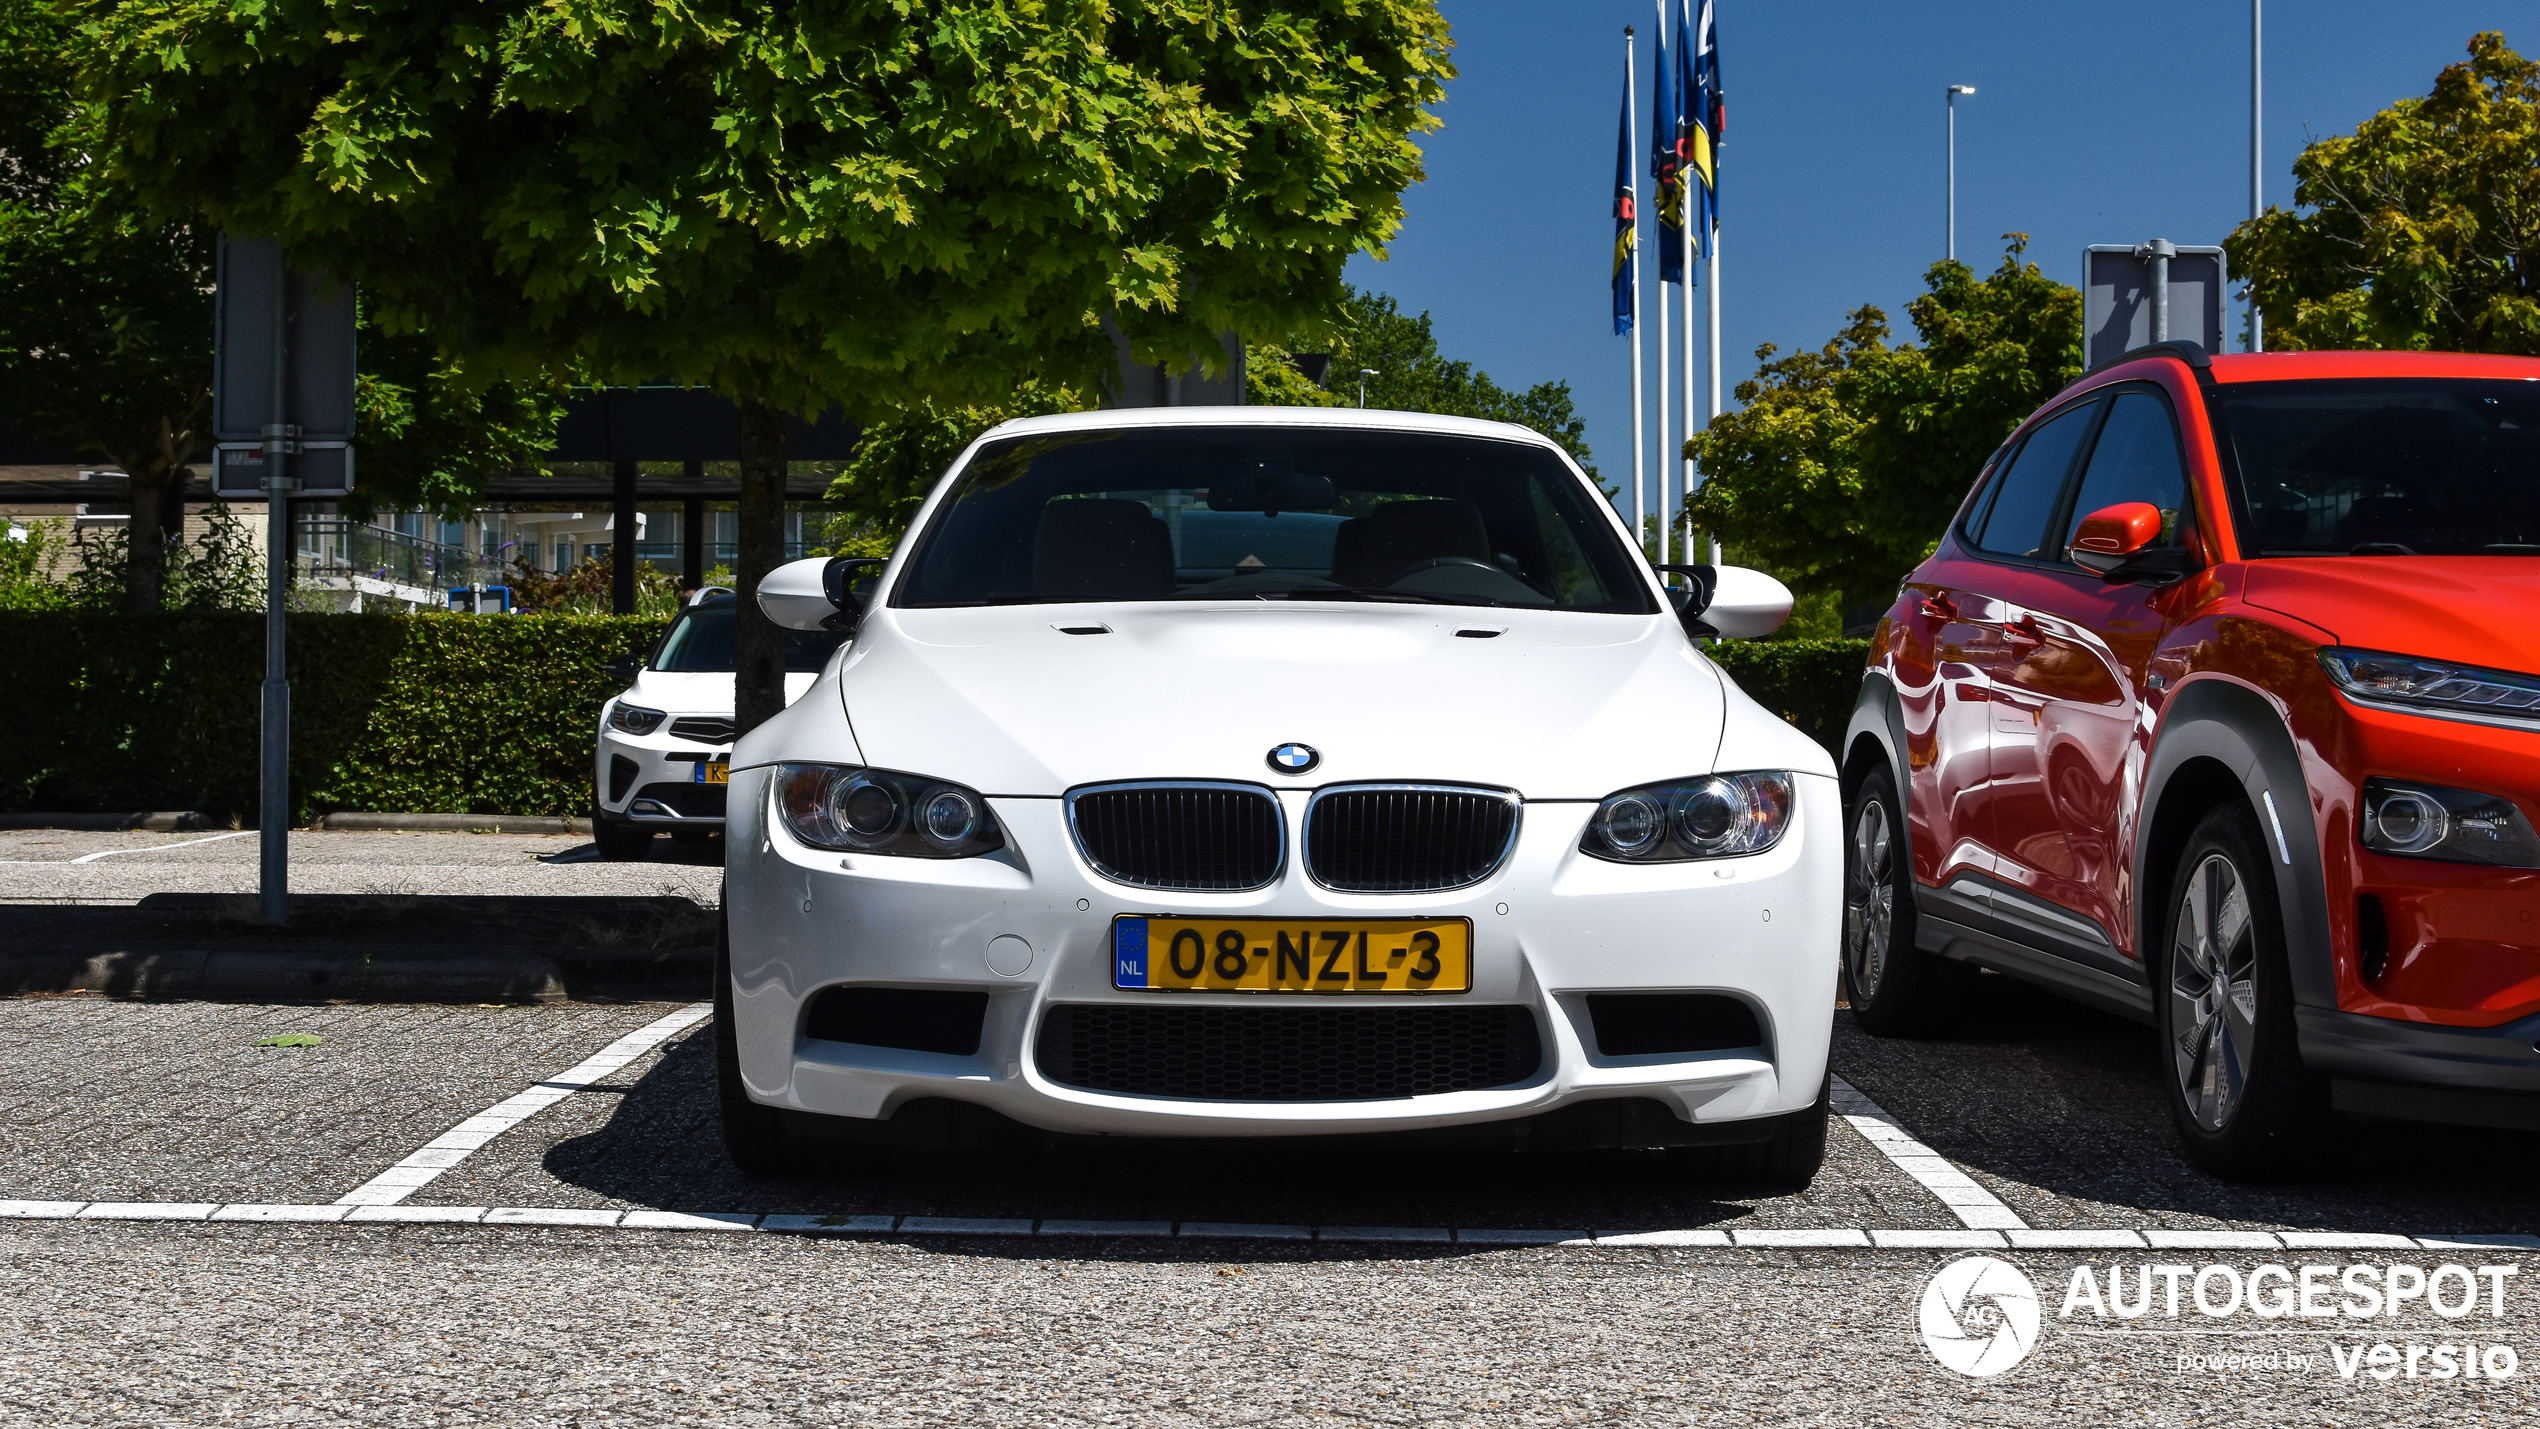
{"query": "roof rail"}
(2191, 353)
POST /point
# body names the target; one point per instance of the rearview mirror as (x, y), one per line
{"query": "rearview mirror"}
(1271, 492)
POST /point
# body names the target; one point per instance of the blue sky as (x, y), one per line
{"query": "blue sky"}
(2091, 124)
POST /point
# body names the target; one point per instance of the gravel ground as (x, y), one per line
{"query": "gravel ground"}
(36, 865)
(150, 1325)
(103, 1100)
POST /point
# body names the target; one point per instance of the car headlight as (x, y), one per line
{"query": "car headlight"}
(879, 811)
(635, 719)
(2431, 821)
(2435, 685)
(1713, 816)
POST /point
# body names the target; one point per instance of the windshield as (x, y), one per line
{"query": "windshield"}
(2387, 466)
(701, 642)
(1258, 513)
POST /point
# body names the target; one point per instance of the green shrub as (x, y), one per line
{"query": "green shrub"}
(1811, 683)
(401, 713)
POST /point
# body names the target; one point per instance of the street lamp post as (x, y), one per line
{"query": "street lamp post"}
(1363, 374)
(1952, 100)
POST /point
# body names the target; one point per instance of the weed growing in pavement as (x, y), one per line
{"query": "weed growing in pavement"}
(293, 1039)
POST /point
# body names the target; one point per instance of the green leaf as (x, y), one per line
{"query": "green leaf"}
(293, 1039)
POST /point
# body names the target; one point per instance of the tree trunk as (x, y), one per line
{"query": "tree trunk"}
(758, 647)
(146, 538)
(158, 512)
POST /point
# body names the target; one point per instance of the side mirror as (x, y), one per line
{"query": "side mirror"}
(2118, 543)
(2107, 537)
(814, 593)
(1734, 601)
(623, 669)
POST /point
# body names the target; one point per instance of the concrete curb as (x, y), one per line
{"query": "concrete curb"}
(178, 821)
(455, 824)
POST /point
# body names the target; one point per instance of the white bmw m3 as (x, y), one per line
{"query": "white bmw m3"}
(1246, 772)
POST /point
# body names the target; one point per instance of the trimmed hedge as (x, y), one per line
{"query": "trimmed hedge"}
(400, 713)
(1811, 683)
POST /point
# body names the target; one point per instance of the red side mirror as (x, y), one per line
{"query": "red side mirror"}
(2108, 536)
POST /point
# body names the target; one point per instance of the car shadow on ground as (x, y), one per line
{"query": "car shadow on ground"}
(662, 1148)
(700, 849)
(2049, 1094)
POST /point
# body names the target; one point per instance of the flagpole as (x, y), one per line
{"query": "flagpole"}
(1658, 230)
(1714, 126)
(1631, 147)
(1680, 467)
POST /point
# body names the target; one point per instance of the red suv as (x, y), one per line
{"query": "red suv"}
(2218, 706)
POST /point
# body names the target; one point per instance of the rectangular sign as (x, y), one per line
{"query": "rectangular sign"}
(1312, 955)
(238, 471)
(2116, 300)
(317, 336)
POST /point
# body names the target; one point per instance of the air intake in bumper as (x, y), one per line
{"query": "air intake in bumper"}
(1642, 1024)
(1407, 838)
(1286, 1054)
(1189, 837)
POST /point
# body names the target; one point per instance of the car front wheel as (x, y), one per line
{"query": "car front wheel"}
(1895, 988)
(2243, 1102)
(620, 841)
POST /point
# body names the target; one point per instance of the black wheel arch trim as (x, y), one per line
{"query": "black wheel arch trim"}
(2236, 727)
(1879, 715)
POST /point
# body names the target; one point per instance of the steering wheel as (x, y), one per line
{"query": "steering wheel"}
(1439, 562)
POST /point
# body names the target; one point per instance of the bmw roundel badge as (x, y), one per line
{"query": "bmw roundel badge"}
(1295, 758)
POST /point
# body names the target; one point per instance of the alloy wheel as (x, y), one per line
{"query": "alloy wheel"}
(2213, 992)
(1869, 899)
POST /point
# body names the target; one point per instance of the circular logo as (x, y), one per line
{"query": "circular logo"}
(1979, 1316)
(1295, 758)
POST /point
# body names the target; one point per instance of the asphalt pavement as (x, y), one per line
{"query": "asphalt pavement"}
(193, 1229)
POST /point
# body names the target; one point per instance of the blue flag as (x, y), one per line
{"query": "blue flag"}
(1664, 161)
(1708, 116)
(1625, 220)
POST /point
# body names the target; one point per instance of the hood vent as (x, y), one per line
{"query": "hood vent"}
(1187, 837)
(1407, 838)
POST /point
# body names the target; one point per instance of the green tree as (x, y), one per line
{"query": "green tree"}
(1840, 467)
(2418, 230)
(1411, 375)
(799, 204)
(105, 314)
(428, 434)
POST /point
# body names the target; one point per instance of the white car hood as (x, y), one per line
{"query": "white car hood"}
(1559, 705)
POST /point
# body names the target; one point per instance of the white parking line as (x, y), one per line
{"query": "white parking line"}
(1766, 1238)
(156, 848)
(1974, 1206)
(455, 1145)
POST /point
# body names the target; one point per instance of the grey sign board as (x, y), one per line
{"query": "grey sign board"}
(322, 469)
(2121, 297)
(316, 331)
(1139, 384)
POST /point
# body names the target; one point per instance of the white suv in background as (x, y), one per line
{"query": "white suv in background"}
(665, 745)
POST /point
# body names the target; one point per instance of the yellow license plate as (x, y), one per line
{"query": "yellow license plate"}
(1366, 955)
(714, 771)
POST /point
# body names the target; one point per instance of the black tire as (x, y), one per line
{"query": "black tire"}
(2230, 1061)
(1788, 1159)
(620, 841)
(1895, 988)
(753, 1135)
(690, 836)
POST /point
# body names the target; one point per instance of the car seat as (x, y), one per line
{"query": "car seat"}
(1373, 549)
(1101, 549)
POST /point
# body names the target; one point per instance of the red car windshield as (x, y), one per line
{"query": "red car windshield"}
(2385, 466)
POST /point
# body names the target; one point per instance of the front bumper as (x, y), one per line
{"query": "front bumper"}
(653, 779)
(2420, 1071)
(1550, 927)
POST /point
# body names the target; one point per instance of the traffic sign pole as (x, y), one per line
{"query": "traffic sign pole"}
(273, 822)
